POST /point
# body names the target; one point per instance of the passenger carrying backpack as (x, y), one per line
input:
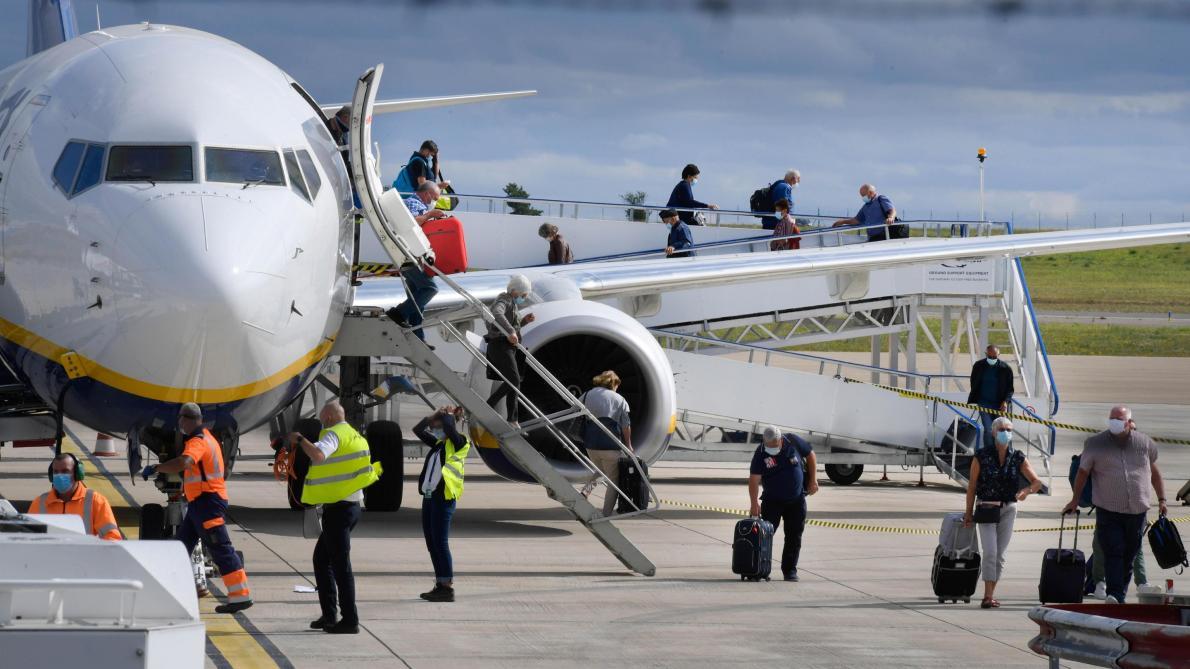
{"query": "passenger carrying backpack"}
(761, 200)
(1167, 545)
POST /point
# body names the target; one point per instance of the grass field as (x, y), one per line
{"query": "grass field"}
(1153, 279)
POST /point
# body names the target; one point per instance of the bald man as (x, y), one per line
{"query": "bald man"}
(877, 209)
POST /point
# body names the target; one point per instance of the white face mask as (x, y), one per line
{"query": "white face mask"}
(991, 361)
(694, 180)
(1116, 425)
(772, 451)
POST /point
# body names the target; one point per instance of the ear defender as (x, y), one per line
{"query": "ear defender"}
(79, 472)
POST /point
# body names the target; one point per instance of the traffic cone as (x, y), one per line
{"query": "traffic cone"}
(105, 445)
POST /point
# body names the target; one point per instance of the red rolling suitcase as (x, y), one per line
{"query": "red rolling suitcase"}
(450, 247)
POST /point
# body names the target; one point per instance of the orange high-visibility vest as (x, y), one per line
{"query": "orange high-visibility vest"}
(205, 474)
(91, 506)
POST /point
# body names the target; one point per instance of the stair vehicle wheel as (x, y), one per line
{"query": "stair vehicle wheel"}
(844, 474)
(966, 600)
(308, 428)
(388, 449)
(152, 521)
(941, 600)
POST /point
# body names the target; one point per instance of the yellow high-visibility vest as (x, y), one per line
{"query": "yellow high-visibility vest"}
(348, 469)
(452, 468)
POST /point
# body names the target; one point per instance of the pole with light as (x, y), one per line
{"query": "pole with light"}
(982, 155)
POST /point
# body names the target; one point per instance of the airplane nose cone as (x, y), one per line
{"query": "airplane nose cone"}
(200, 280)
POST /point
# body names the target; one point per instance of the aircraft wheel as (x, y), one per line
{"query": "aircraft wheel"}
(387, 447)
(152, 521)
(844, 474)
(309, 428)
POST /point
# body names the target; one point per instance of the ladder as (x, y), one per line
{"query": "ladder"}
(404, 242)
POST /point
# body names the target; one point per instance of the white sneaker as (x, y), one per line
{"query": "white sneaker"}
(1100, 590)
(1110, 600)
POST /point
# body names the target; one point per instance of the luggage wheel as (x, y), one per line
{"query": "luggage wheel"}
(941, 600)
(966, 600)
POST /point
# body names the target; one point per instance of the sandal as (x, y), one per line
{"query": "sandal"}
(995, 603)
(986, 603)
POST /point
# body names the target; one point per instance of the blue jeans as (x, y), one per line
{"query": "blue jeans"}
(436, 512)
(986, 419)
(332, 561)
(1119, 535)
(421, 290)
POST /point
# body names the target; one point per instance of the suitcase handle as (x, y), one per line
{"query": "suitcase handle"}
(1062, 530)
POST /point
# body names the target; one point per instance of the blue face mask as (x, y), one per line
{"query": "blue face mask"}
(1004, 438)
(772, 451)
(519, 299)
(63, 483)
(991, 361)
(867, 198)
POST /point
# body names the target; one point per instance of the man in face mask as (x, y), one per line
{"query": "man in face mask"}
(877, 210)
(991, 388)
(69, 495)
(1121, 462)
(782, 189)
(784, 465)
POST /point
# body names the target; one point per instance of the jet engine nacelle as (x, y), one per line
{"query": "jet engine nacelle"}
(577, 340)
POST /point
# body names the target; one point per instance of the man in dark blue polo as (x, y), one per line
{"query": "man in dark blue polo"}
(680, 242)
(878, 211)
(784, 465)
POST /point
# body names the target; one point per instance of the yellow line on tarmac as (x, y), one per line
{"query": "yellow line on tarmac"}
(237, 645)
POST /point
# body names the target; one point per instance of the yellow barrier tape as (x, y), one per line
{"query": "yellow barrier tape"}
(861, 527)
(1007, 414)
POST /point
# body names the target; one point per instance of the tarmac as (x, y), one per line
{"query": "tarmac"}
(535, 589)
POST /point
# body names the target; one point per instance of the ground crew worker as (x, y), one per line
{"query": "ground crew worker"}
(341, 467)
(201, 466)
(69, 495)
(441, 485)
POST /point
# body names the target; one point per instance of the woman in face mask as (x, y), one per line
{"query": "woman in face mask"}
(994, 482)
(504, 333)
(441, 485)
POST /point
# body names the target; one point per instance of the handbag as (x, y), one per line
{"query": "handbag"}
(986, 513)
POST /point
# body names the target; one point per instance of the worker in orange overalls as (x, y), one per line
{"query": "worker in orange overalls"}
(71, 496)
(201, 465)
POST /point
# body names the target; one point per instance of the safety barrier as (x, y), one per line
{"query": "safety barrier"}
(1152, 636)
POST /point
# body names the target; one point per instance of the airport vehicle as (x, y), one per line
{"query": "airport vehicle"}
(176, 224)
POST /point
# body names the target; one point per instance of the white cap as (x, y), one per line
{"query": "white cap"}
(771, 432)
(519, 283)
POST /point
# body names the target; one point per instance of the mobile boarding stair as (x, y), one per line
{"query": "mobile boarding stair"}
(404, 242)
(849, 421)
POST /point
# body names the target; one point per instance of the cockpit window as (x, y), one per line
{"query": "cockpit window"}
(68, 165)
(92, 169)
(244, 166)
(151, 163)
(295, 175)
(308, 169)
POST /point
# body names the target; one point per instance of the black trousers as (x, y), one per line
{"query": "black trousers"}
(332, 561)
(794, 515)
(506, 358)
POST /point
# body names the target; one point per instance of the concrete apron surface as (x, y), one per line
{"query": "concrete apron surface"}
(536, 589)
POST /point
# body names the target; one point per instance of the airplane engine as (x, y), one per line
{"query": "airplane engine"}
(577, 340)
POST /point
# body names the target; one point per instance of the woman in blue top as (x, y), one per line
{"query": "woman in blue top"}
(995, 481)
(682, 196)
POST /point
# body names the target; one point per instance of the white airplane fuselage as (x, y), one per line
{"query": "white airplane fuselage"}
(169, 278)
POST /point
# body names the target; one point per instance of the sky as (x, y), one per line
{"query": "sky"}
(1083, 116)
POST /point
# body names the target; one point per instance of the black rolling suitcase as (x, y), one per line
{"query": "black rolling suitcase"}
(752, 549)
(632, 482)
(1063, 570)
(956, 561)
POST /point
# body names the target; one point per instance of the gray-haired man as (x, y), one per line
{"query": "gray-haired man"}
(784, 465)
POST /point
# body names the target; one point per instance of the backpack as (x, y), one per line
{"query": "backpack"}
(1084, 500)
(761, 200)
(402, 183)
(1167, 545)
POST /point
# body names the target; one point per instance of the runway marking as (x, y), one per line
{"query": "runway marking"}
(1007, 414)
(232, 640)
(888, 529)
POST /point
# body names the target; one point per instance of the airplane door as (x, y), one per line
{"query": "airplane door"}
(400, 235)
(17, 113)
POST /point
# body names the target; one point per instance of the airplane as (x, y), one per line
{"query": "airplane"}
(177, 224)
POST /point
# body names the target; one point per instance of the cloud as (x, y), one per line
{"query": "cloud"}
(643, 141)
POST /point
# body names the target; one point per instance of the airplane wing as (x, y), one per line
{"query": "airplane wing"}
(411, 104)
(642, 277)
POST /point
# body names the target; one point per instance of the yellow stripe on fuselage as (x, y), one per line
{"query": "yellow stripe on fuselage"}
(109, 377)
